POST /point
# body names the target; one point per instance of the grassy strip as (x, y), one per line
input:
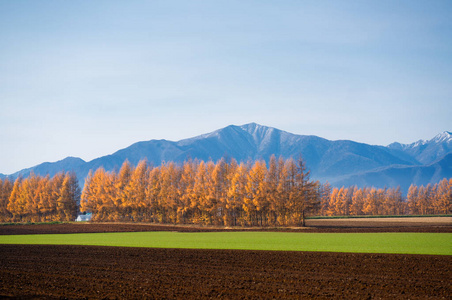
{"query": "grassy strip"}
(375, 217)
(405, 243)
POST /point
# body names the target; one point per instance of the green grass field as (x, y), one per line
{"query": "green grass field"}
(405, 243)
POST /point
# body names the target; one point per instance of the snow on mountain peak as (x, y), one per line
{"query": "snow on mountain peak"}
(258, 132)
(419, 143)
(252, 127)
(445, 136)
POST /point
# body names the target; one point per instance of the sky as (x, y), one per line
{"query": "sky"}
(87, 78)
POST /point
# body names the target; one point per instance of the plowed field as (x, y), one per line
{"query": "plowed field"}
(110, 272)
(322, 225)
(35, 272)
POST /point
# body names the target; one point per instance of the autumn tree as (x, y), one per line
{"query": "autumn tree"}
(272, 180)
(424, 197)
(217, 190)
(324, 196)
(96, 195)
(46, 207)
(69, 197)
(303, 195)
(87, 203)
(121, 182)
(413, 198)
(185, 191)
(256, 203)
(443, 200)
(153, 187)
(136, 191)
(6, 186)
(13, 204)
(392, 203)
(168, 193)
(333, 203)
(236, 194)
(357, 205)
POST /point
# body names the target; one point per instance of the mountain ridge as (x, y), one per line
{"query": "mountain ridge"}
(427, 151)
(400, 175)
(334, 161)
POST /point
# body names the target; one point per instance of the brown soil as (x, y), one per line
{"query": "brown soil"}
(70, 272)
(312, 226)
(30, 272)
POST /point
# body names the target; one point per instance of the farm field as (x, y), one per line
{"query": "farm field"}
(386, 222)
(68, 271)
(423, 224)
(404, 243)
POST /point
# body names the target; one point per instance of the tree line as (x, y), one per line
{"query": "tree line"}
(39, 199)
(227, 193)
(353, 201)
(221, 193)
(245, 194)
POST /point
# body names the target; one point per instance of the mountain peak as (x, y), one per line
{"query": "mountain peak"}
(444, 137)
(252, 127)
(427, 151)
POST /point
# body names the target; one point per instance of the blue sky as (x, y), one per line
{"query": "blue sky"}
(87, 78)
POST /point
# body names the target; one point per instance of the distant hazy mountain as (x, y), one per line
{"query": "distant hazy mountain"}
(339, 162)
(399, 175)
(68, 164)
(429, 151)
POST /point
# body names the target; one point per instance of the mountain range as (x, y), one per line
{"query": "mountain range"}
(341, 163)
